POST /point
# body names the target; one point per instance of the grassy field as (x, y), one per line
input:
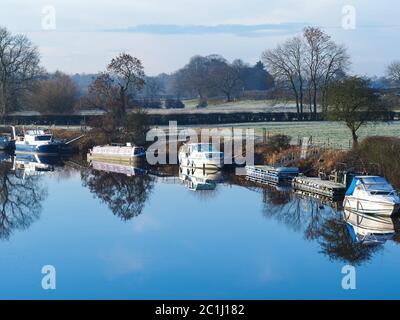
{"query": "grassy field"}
(334, 134)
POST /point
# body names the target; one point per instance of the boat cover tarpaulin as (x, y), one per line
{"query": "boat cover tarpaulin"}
(353, 185)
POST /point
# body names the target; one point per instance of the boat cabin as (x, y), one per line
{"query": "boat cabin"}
(370, 185)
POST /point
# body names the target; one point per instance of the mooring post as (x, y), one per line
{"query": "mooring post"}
(264, 135)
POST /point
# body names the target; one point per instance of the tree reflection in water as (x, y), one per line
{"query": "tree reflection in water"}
(21, 196)
(318, 222)
(299, 213)
(336, 242)
(125, 195)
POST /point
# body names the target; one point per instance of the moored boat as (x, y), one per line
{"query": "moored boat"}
(201, 155)
(372, 195)
(38, 142)
(117, 152)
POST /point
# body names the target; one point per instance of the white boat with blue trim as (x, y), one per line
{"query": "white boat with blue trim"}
(372, 195)
(201, 155)
(39, 142)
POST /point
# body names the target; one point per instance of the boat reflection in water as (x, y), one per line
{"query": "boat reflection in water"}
(369, 229)
(21, 195)
(200, 179)
(33, 163)
(126, 170)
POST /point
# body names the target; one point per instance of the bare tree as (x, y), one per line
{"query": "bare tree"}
(57, 94)
(285, 64)
(324, 60)
(113, 89)
(153, 88)
(393, 71)
(307, 63)
(228, 78)
(19, 68)
(128, 74)
(195, 77)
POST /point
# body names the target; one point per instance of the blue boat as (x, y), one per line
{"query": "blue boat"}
(39, 142)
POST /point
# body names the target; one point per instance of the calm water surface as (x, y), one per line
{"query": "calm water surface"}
(112, 235)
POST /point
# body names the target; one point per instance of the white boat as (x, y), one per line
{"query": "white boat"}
(365, 228)
(116, 152)
(200, 155)
(372, 195)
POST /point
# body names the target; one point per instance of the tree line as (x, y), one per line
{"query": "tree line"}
(306, 65)
(310, 69)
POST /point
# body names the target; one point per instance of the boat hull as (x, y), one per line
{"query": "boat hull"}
(371, 207)
(40, 149)
(189, 162)
(137, 159)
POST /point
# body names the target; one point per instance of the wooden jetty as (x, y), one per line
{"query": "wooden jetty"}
(268, 174)
(318, 186)
(335, 203)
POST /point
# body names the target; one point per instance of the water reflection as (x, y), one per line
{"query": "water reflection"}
(369, 229)
(346, 236)
(21, 197)
(337, 243)
(341, 235)
(200, 179)
(127, 170)
(31, 164)
(299, 212)
(124, 189)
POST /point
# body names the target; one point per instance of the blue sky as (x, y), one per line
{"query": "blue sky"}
(166, 33)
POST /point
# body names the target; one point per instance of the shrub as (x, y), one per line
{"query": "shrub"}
(148, 103)
(174, 104)
(278, 142)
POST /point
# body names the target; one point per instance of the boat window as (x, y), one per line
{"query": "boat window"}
(42, 138)
(379, 187)
(381, 193)
(206, 147)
